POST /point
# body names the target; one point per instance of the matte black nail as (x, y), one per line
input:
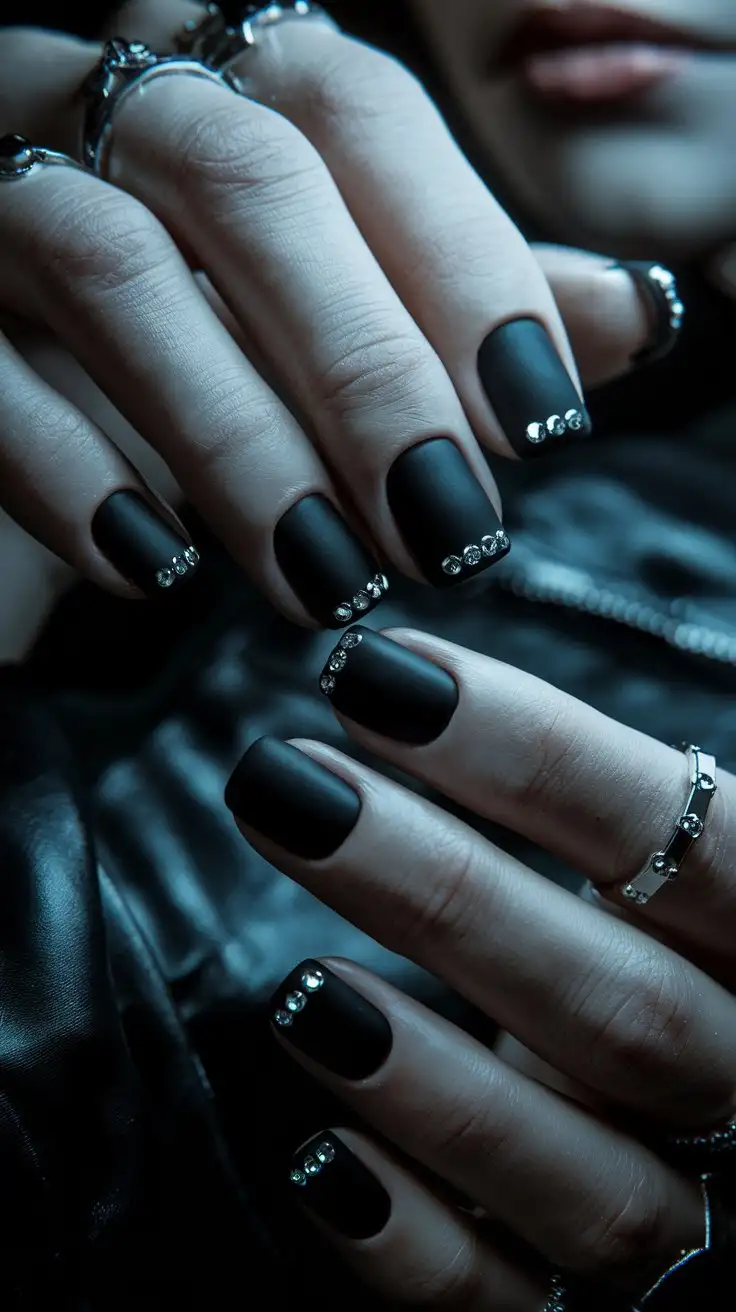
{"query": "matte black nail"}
(658, 287)
(293, 800)
(533, 396)
(334, 1184)
(443, 513)
(325, 1018)
(328, 567)
(389, 688)
(141, 544)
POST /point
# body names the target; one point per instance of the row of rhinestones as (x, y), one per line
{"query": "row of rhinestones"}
(555, 426)
(179, 565)
(558, 1297)
(472, 555)
(373, 591)
(692, 825)
(295, 1001)
(666, 281)
(313, 1163)
(338, 660)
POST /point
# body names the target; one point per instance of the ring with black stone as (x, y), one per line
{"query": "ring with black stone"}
(18, 157)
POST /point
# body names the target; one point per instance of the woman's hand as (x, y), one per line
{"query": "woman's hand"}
(614, 1038)
(369, 316)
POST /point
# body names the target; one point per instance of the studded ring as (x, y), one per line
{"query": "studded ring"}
(218, 44)
(659, 288)
(664, 866)
(18, 157)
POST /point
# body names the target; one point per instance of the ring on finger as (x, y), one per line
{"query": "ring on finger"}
(19, 157)
(124, 67)
(218, 44)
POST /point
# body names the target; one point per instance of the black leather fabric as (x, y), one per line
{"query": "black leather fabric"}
(146, 1120)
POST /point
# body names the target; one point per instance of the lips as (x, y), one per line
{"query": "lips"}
(542, 30)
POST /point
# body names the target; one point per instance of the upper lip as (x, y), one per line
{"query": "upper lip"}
(564, 26)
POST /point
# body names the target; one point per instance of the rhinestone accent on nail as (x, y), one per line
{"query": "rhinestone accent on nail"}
(555, 426)
(472, 556)
(493, 544)
(312, 1166)
(337, 660)
(296, 1001)
(180, 565)
(363, 599)
(312, 1163)
(325, 1153)
(666, 280)
(312, 980)
(298, 1177)
(452, 565)
(350, 640)
(283, 1018)
(327, 684)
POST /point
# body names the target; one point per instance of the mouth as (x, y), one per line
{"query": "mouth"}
(591, 53)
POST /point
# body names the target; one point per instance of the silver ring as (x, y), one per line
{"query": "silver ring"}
(218, 44)
(18, 156)
(698, 1153)
(659, 288)
(123, 67)
(664, 866)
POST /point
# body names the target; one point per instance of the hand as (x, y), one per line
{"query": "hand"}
(354, 265)
(614, 1039)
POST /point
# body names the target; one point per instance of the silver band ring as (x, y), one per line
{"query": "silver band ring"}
(18, 157)
(218, 44)
(664, 866)
(123, 67)
(659, 289)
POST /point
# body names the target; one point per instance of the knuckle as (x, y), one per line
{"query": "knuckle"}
(103, 242)
(354, 78)
(454, 1284)
(445, 905)
(556, 762)
(374, 367)
(627, 1239)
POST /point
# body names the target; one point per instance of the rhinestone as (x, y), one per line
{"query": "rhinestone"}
(662, 276)
(630, 893)
(298, 1177)
(374, 590)
(312, 980)
(472, 555)
(283, 1018)
(489, 546)
(312, 1166)
(16, 154)
(503, 541)
(381, 582)
(343, 614)
(659, 864)
(361, 601)
(536, 433)
(574, 420)
(677, 311)
(191, 556)
(327, 684)
(337, 660)
(706, 784)
(351, 640)
(180, 565)
(165, 578)
(556, 426)
(295, 1001)
(692, 825)
(452, 565)
(326, 1153)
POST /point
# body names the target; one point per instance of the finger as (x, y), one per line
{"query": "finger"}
(599, 1000)
(98, 269)
(584, 1195)
(63, 481)
(602, 796)
(399, 1238)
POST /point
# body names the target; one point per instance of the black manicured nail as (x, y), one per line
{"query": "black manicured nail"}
(334, 1184)
(533, 396)
(325, 1018)
(293, 800)
(141, 544)
(328, 567)
(443, 513)
(389, 688)
(658, 287)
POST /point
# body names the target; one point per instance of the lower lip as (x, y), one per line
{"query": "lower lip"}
(596, 74)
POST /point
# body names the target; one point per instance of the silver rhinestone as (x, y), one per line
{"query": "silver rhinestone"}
(361, 601)
(191, 555)
(676, 322)
(556, 426)
(295, 1001)
(659, 864)
(662, 276)
(298, 1177)
(381, 582)
(284, 1019)
(706, 784)
(472, 555)
(351, 640)
(180, 565)
(343, 614)
(629, 893)
(373, 590)
(312, 980)
(326, 1153)
(312, 1166)
(337, 660)
(452, 565)
(692, 825)
(574, 420)
(489, 545)
(327, 684)
(165, 578)
(503, 541)
(677, 310)
(536, 433)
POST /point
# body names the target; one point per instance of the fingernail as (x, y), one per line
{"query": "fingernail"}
(532, 394)
(292, 800)
(388, 688)
(443, 514)
(326, 1019)
(141, 544)
(334, 1184)
(328, 567)
(658, 287)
